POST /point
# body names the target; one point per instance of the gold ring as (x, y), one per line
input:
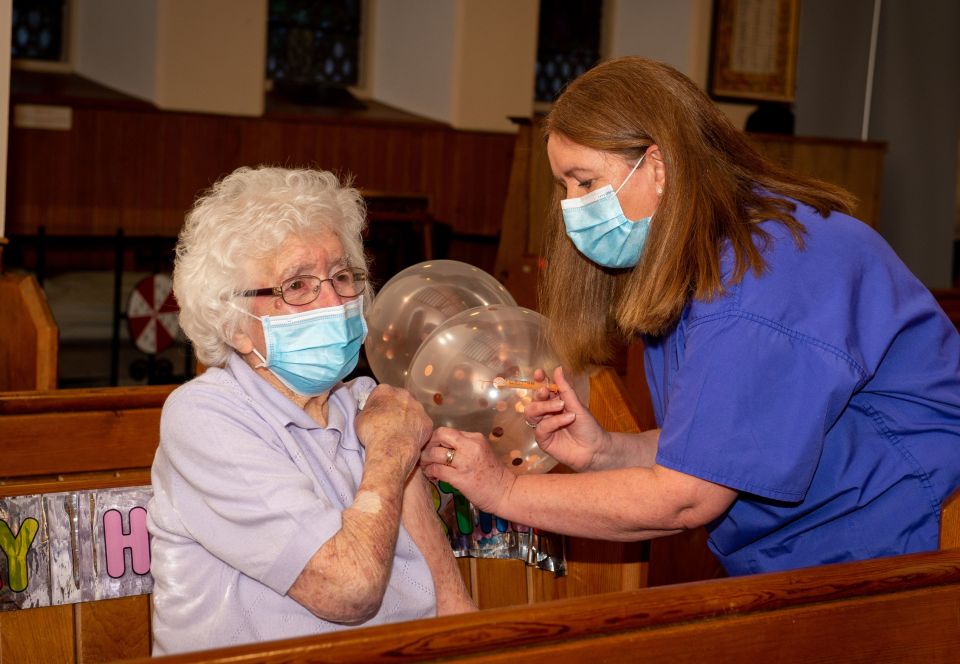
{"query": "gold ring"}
(450, 454)
(532, 425)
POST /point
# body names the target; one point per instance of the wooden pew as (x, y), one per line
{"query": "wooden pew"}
(70, 440)
(96, 438)
(28, 336)
(897, 609)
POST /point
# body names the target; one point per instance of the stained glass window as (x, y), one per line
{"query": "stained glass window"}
(38, 29)
(568, 44)
(311, 42)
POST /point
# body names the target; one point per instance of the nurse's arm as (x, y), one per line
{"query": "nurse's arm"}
(421, 521)
(626, 504)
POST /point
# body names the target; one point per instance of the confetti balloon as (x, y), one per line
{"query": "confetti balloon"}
(414, 302)
(470, 374)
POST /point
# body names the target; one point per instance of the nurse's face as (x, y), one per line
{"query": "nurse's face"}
(579, 170)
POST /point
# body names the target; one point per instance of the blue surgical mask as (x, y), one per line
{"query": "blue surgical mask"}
(598, 228)
(311, 351)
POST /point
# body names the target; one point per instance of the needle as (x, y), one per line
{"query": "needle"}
(500, 382)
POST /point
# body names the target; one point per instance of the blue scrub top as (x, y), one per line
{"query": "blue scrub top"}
(826, 391)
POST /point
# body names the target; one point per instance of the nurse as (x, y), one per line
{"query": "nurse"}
(806, 384)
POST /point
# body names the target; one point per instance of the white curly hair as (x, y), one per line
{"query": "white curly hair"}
(244, 219)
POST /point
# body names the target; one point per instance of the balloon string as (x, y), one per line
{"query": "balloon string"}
(499, 382)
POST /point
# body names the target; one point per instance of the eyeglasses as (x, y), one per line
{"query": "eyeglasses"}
(305, 288)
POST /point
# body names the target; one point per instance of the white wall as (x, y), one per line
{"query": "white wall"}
(6, 26)
(411, 55)
(211, 56)
(115, 44)
(494, 63)
(915, 109)
(188, 55)
(652, 28)
(675, 32)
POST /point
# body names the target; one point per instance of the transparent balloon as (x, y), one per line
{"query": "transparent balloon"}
(414, 302)
(459, 375)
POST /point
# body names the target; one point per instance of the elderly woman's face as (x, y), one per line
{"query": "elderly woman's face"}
(320, 256)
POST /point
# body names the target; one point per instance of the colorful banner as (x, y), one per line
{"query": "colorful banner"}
(63, 548)
(477, 534)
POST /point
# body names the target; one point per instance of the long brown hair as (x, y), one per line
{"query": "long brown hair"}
(717, 188)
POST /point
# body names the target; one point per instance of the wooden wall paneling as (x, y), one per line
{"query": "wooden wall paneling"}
(636, 389)
(209, 148)
(37, 636)
(42, 182)
(515, 222)
(113, 629)
(500, 583)
(543, 193)
(854, 165)
(481, 165)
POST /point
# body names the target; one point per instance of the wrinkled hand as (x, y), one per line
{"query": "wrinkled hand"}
(474, 470)
(393, 424)
(565, 429)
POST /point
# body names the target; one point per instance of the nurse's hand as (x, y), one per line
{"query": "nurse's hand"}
(564, 428)
(393, 426)
(466, 461)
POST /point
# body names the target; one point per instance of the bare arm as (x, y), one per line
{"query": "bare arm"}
(346, 578)
(622, 504)
(421, 521)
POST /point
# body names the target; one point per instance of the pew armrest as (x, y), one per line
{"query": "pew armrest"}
(950, 521)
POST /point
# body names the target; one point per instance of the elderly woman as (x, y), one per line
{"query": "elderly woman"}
(286, 502)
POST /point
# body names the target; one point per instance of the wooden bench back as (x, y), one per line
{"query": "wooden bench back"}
(899, 609)
(28, 336)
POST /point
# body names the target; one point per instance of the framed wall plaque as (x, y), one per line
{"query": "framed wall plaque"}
(754, 49)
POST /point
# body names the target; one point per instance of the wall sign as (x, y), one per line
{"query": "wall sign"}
(754, 49)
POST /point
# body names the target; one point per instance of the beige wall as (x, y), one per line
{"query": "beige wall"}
(469, 63)
(114, 43)
(410, 55)
(495, 53)
(675, 32)
(211, 56)
(189, 55)
(6, 25)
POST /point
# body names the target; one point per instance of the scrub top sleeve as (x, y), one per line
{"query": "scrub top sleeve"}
(238, 493)
(750, 404)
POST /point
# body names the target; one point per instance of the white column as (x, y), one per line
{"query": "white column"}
(6, 26)
(469, 63)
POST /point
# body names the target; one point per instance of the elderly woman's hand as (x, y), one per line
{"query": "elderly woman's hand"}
(564, 428)
(393, 424)
(466, 461)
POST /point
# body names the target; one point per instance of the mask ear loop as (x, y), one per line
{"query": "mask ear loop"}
(630, 174)
(263, 362)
